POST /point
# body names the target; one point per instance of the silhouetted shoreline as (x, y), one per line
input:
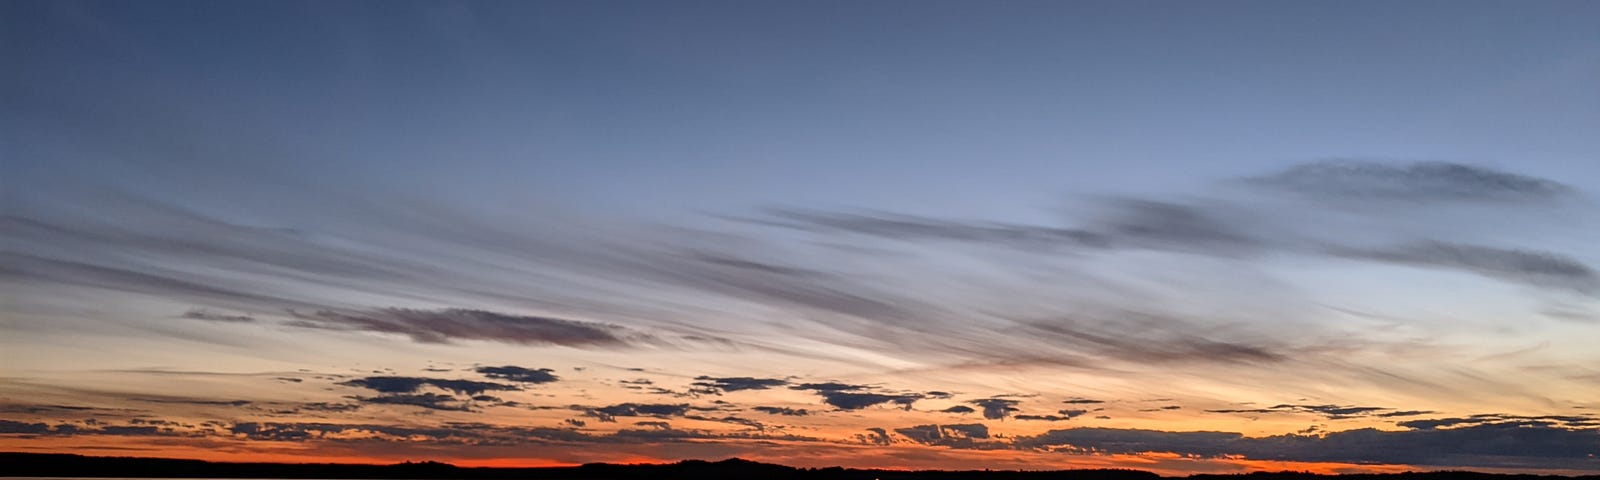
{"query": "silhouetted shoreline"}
(70, 465)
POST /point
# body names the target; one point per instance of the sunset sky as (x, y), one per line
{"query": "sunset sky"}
(1182, 237)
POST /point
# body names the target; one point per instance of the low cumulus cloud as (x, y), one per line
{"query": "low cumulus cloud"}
(519, 374)
(735, 384)
(459, 395)
(470, 434)
(657, 410)
(855, 397)
(997, 408)
(1486, 440)
(955, 435)
(1505, 445)
(857, 401)
(1589, 421)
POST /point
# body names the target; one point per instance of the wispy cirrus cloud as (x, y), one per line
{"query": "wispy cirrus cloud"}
(1418, 181)
(441, 326)
(1127, 284)
(1530, 267)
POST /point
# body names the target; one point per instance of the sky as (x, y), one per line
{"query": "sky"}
(1182, 237)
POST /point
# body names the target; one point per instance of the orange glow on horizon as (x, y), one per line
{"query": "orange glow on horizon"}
(903, 458)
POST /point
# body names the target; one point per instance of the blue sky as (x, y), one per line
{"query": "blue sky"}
(1341, 204)
(704, 105)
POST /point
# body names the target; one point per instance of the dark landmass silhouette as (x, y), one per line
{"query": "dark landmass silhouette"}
(69, 465)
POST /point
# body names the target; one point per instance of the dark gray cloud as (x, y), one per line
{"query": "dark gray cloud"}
(997, 408)
(959, 409)
(657, 410)
(1329, 411)
(1245, 410)
(735, 384)
(399, 390)
(397, 384)
(958, 435)
(1542, 269)
(1061, 416)
(54, 410)
(133, 428)
(1081, 401)
(1507, 445)
(210, 316)
(1487, 440)
(429, 400)
(1404, 413)
(33, 428)
(878, 436)
(830, 387)
(519, 374)
(1562, 421)
(858, 400)
(191, 401)
(442, 326)
(327, 407)
(1047, 418)
(786, 411)
(467, 434)
(654, 423)
(920, 433)
(1334, 411)
(1420, 181)
(855, 397)
(730, 419)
